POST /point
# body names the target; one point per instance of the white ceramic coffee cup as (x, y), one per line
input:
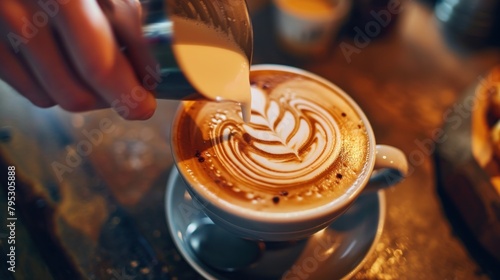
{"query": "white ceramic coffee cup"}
(386, 166)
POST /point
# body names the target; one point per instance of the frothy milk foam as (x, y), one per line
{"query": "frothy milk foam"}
(304, 145)
(214, 64)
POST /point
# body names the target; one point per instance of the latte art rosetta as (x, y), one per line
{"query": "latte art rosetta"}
(289, 140)
(304, 146)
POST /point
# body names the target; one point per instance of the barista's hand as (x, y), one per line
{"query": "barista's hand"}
(67, 53)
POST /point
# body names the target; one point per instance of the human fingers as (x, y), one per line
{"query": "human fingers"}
(36, 49)
(19, 78)
(125, 17)
(97, 58)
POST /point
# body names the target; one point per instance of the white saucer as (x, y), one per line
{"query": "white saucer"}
(337, 252)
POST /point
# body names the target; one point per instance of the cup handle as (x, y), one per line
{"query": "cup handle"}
(391, 167)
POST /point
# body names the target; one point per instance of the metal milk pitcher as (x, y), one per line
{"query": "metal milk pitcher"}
(229, 16)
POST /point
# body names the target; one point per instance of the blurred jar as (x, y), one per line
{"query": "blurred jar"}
(307, 29)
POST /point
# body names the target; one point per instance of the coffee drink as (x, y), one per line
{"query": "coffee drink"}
(305, 145)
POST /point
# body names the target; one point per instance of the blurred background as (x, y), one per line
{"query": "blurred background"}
(408, 64)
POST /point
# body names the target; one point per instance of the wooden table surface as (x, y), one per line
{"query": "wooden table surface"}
(85, 221)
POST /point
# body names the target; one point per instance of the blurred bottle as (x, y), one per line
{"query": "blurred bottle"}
(373, 18)
(256, 5)
(470, 25)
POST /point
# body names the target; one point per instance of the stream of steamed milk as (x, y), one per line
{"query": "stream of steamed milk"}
(214, 64)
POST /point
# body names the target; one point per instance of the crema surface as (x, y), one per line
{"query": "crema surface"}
(304, 145)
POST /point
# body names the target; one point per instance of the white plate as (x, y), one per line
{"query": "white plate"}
(337, 252)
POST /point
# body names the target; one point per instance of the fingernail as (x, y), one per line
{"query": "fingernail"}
(149, 107)
(147, 115)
